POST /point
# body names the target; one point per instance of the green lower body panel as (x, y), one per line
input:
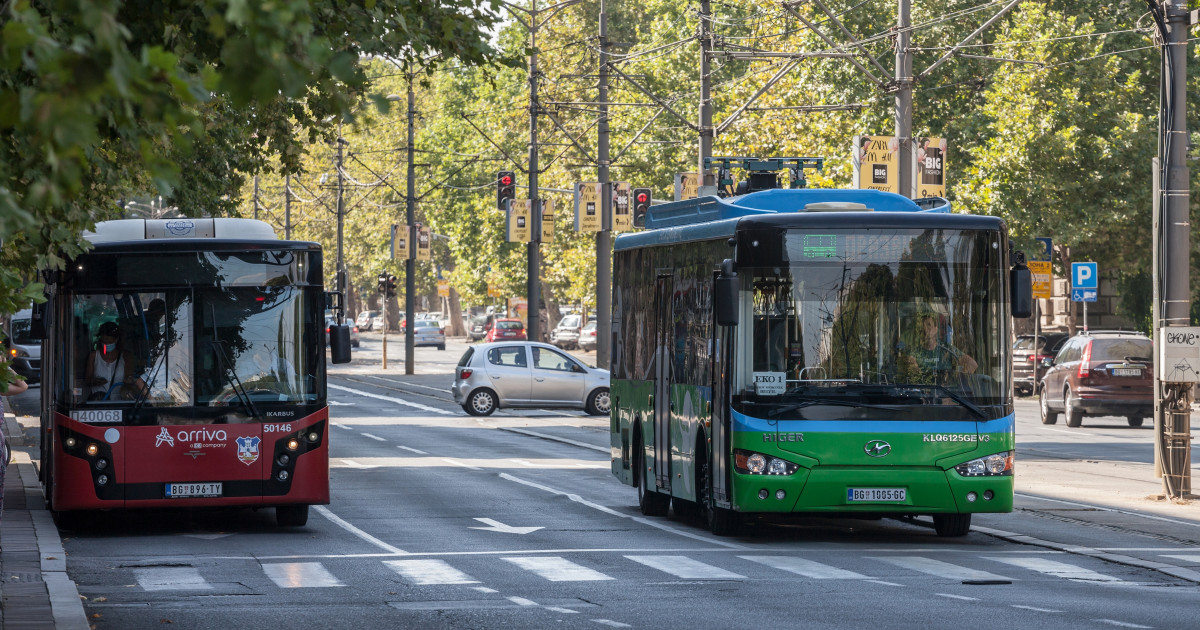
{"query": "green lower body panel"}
(916, 490)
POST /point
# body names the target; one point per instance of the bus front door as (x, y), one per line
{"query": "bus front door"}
(663, 336)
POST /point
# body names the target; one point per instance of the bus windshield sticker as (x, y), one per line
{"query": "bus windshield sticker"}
(98, 416)
(770, 383)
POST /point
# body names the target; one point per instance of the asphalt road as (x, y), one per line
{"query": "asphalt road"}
(441, 520)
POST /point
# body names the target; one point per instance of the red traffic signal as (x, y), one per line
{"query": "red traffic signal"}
(506, 180)
(641, 206)
(506, 188)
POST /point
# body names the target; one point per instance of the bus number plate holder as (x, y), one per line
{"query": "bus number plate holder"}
(876, 495)
(192, 490)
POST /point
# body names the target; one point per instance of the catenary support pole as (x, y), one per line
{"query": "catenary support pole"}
(705, 121)
(533, 284)
(410, 216)
(341, 212)
(904, 99)
(604, 236)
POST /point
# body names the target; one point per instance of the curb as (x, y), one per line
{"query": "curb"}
(65, 603)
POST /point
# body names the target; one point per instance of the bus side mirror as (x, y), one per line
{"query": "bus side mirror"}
(1020, 283)
(339, 343)
(37, 321)
(725, 295)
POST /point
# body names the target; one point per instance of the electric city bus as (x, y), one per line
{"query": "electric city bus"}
(184, 366)
(816, 352)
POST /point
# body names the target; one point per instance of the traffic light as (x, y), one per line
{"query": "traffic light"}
(506, 188)
(641, 205)
(382, 281)
(391, 285)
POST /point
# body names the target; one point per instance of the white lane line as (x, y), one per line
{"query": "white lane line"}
(1183, 556)
(337, 520)
(524, 463)
(334, 403)
(392, 399)
(342, 426)
(612, 624)
(807, 568)
(1036, 609)
(411, 449)
(558, 569)
(595, 506)
(685, 567)
(1121, 624)
(938, 568)
(884, 583)
(521, 601)
(458, 463)
(300, 575)
(566, 611)
(373, 437)
(171, 579)
(962, 597)
(353, 464)
(484, 589)
(1058, 569)
(424, 572)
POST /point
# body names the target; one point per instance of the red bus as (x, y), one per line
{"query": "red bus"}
(184, 366)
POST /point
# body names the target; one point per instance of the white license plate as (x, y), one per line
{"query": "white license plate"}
(1127, 372)
(188, 490)
(885, 495)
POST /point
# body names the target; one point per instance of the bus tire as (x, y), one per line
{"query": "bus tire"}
(1135, 421)
(721, 521)
(481, 402)
(598, 402)
(652, 503)
(1072, 411)
(291, 515)
(952, 525)
(1049, 416)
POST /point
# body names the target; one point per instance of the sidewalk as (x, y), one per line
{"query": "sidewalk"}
(35, 592)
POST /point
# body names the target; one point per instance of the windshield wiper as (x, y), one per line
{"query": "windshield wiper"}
(952, 396)
(809, 402)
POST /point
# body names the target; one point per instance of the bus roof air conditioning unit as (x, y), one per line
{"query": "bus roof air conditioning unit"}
(837, 206)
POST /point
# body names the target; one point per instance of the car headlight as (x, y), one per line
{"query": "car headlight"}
(751, 463)
(990, 466)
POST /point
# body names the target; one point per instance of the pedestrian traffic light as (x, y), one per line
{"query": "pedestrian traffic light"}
(391, 285)
(506, 188)
(382, 285)
(641, 205)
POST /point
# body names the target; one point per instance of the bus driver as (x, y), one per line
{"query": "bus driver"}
(930, 357)
(108, 365)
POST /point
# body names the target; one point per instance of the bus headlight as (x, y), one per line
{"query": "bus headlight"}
(990, 466)
(293, 444)
(70, 442)
(751, 463)
(92, 449)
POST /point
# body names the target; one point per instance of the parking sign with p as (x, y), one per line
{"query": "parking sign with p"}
(1083, 275)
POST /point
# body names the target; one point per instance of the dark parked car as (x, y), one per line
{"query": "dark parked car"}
(1100, 373)
(1027, 362)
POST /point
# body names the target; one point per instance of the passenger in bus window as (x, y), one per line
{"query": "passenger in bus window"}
(109, 366)
(930, 359)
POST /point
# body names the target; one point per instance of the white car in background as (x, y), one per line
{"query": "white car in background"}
(429, 332)
(527, 374)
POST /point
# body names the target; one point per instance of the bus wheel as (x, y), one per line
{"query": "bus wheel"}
(291, 515)
(952, 525)
(652, 503)
(1135, 421)
(720, 521)
(69, 520)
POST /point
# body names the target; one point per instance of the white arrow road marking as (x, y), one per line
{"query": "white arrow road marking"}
(497, 526)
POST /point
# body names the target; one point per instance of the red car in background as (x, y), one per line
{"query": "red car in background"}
(506, 330)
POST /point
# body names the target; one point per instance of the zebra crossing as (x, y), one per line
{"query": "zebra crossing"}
(494, 569)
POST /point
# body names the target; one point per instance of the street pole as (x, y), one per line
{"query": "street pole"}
(341, 211)
(256, 197)
(410, 214)
(287, 207)
(904, 102)
(533, 288)
(604, 236)
(706, 127)
(1175, 244)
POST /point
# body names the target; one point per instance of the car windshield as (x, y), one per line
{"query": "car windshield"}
(508, 325)
(570, 321)
(1135, 349)
(427, 323)
(20, 332)
(590, 326)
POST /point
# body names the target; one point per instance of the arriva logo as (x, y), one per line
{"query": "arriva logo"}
(164, 436)
(194, 435)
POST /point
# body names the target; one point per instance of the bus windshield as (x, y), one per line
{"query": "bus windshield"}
(874, 324)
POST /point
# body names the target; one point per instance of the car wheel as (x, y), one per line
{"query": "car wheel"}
(441, 346)
(1071, 410)
(1048, 416)
(598, 402)
(651, 503)
(291, 515)
(481, 402)
(952, 525)
(354, 344)
(1135, 421)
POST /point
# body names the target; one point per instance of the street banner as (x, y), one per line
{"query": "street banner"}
(443, 288)
(587, 207)
(547, 220)
(424, 243)
(876, 163)
(1041, 268)
(400, 242)
(622, 220)
(930, 168)
(518, 308)
(686, 185)
(517, 227)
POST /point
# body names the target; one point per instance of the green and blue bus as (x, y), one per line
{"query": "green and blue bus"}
(816, 352)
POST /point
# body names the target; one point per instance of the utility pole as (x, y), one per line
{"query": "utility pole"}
(410, 214)
(604, 236)
(341, 211)
(256, 197)
(1172, 412)
(904, 98)
(287, 207)
(706, 126)
(533, 286)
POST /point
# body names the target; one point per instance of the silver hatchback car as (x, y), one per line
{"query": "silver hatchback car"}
(527, 374)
